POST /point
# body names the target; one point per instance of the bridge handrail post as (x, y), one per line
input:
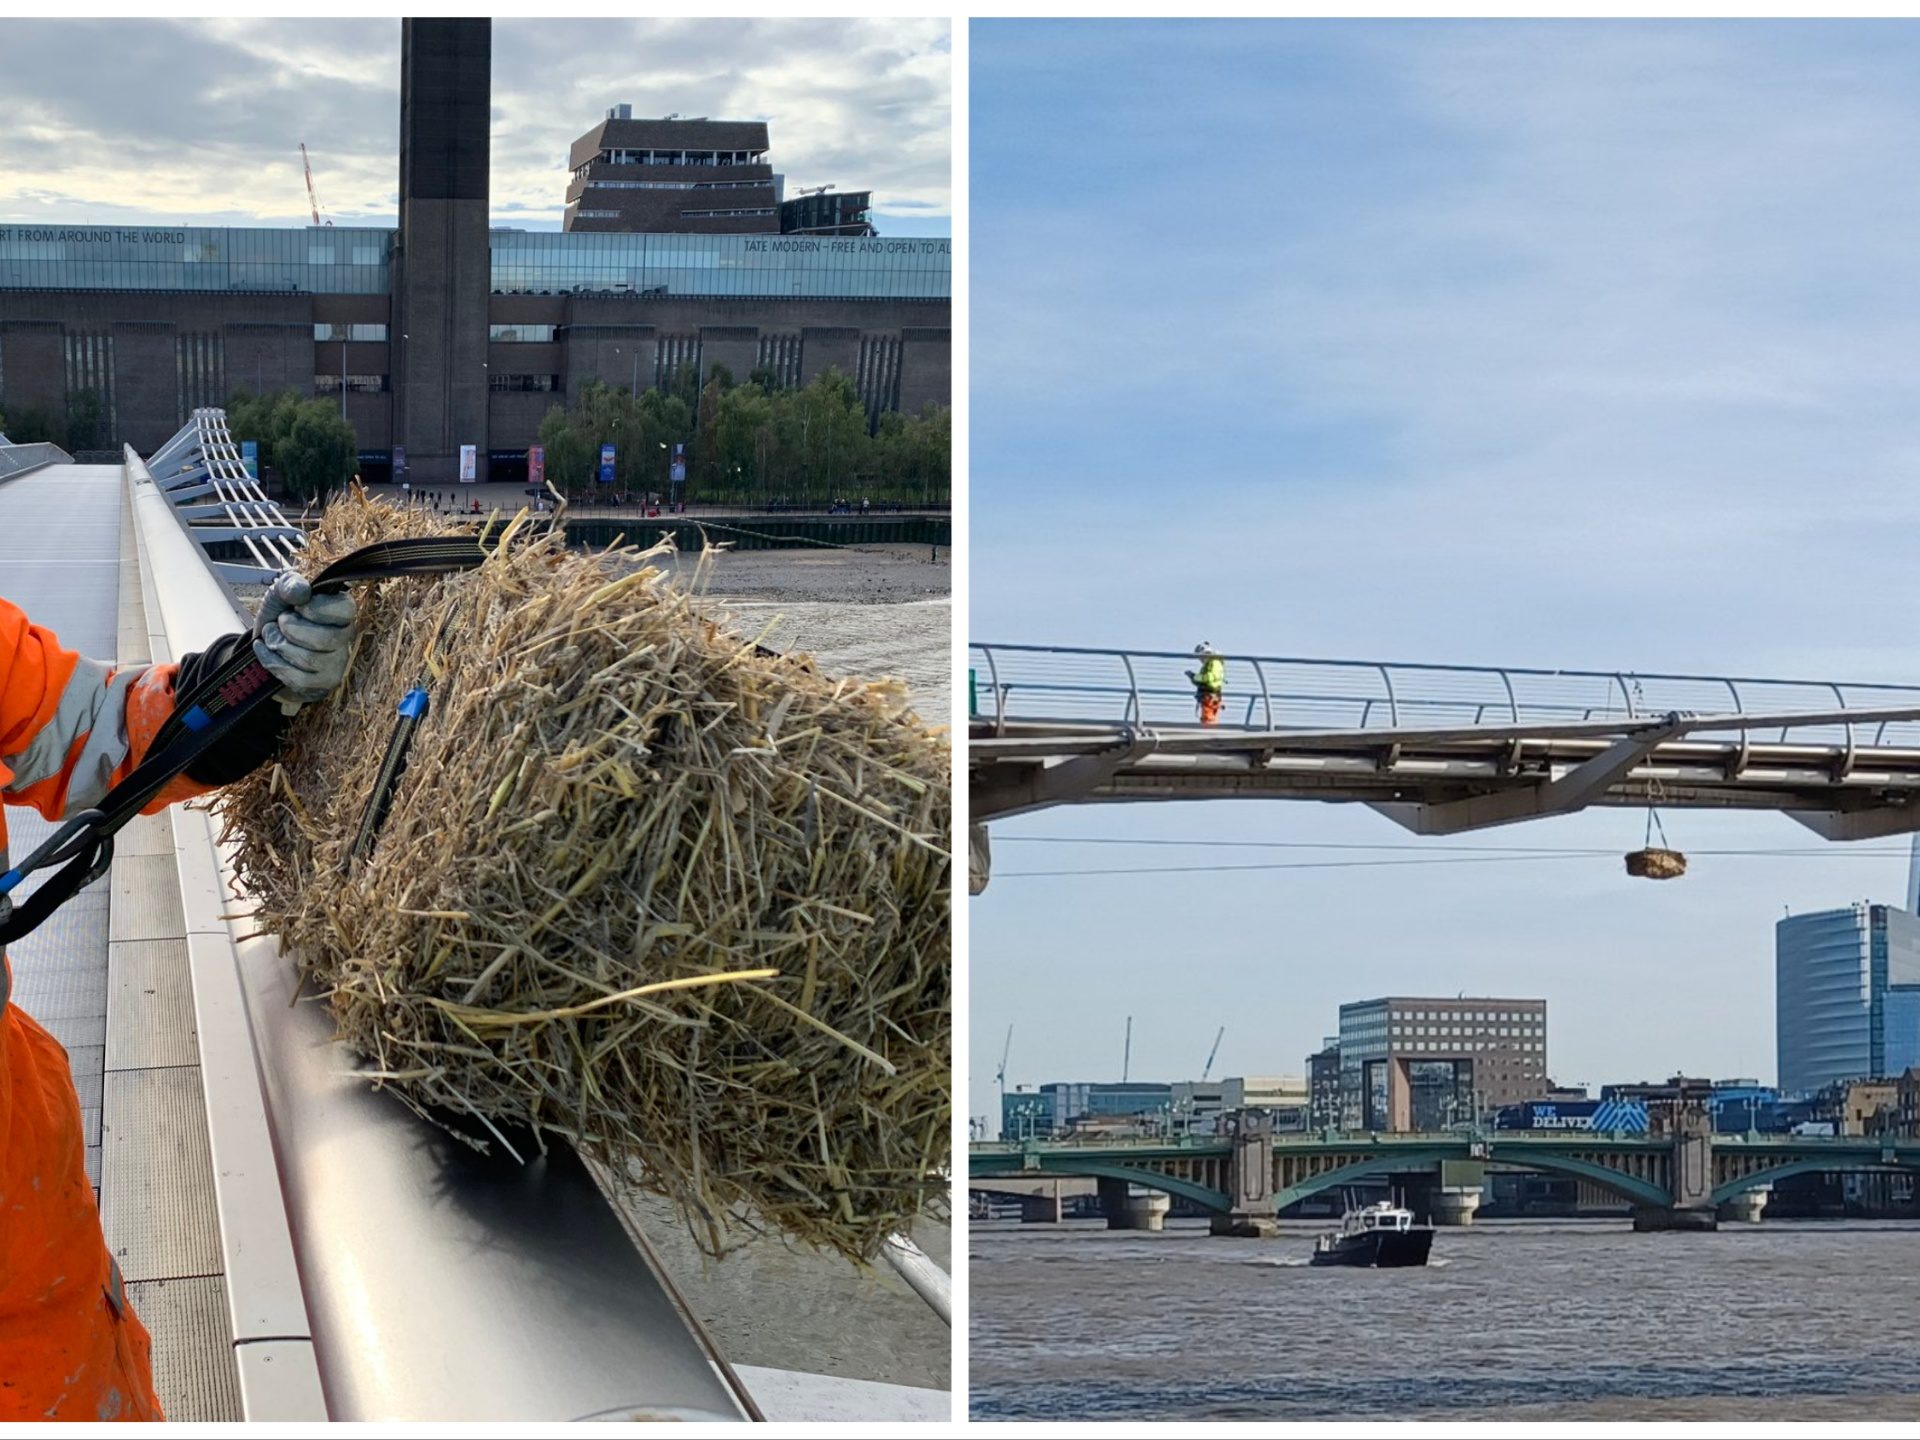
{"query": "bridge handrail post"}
(1841, 700)
(1513, 705)
(1132, 715)
(1625, 694)
(999, 692)
(1393, 702)
(1266, 699)
(1738, 708)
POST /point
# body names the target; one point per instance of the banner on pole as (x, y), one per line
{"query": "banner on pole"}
(468, 456)
(606, 464)
(537, 464)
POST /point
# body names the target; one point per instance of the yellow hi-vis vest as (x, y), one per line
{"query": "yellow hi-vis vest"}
(1213, 674)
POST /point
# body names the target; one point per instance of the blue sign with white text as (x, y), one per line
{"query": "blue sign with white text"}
(250, 457)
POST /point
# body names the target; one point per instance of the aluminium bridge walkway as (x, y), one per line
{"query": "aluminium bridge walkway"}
(1438, 748)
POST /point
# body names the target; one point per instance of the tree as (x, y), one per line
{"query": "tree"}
(318, 452)
(84, 414)
(686, 384)
(570, 457)
(263, 419)
(36, 425)
(833, 433)
(752, 443)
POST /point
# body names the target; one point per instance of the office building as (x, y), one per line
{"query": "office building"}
(825, 212)
(1197, 1105)
(1846, 996)
(672, 176)
(1323, 1085)
(675, 176)
(1414, 1064)
(442, 333)
(1077, 1102)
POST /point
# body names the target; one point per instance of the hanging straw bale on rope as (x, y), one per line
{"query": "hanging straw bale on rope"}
(1654, 864)
(642, 885)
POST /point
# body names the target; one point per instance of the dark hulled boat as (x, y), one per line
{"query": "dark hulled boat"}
(1380, 1235)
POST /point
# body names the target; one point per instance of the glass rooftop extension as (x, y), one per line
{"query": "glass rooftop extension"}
(338, 261)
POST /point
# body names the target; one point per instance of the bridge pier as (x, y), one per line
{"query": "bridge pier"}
(1455, 1204)
(1126, 1211)
(1690, 1183)
(1041, 1209)
(1250, 1177)
(1650, 1218)
(1747, 1207)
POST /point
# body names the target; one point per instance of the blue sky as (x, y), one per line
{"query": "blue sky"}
(1554, 344)
(97, 128)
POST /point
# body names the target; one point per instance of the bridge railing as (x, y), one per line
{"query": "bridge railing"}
(19, 459)
(1070, 685)
(203, 474)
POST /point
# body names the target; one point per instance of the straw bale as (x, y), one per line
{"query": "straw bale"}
(643, 885)
(1656, 864)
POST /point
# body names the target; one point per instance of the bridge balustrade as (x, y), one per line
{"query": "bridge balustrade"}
(1070, 685)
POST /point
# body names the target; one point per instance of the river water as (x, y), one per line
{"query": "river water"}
(1513, 1319)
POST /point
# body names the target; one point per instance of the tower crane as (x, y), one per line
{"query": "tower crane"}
(1208, 1068)
(313, 202)
(1000, 1075)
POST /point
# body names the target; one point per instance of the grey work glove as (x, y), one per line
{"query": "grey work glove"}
(303, 639)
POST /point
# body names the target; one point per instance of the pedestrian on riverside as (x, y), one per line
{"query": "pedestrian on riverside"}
(71, 1347)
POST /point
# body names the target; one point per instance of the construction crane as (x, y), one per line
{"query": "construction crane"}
(817, 190)
(1207, 1069)
(1000, 1076)
(1126, 1060)
(313, 201)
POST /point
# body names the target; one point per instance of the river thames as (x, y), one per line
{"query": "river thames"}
(1514, 1319)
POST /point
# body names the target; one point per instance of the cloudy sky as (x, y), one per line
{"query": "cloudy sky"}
(1582, 345)
(200, 121)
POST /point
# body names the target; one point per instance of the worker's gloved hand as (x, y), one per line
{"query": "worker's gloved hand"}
(303, 639)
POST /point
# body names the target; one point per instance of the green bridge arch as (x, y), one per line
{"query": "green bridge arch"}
(1212, 1200)
(1628, 1187)
(1814, 1164)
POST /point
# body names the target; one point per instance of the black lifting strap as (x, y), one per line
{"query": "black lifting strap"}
(83, 845)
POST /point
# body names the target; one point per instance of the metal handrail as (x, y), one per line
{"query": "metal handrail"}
(1041, 684)
(17, 460)
(203, 456)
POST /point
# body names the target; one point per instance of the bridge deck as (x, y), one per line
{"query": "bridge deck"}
(1438, 748)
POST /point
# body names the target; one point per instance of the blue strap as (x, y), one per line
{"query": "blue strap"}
(413, 704)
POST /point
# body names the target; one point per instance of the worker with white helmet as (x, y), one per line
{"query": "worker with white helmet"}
(1209, 683)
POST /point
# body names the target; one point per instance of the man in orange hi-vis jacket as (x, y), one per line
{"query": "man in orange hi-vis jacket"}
(70, 729)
